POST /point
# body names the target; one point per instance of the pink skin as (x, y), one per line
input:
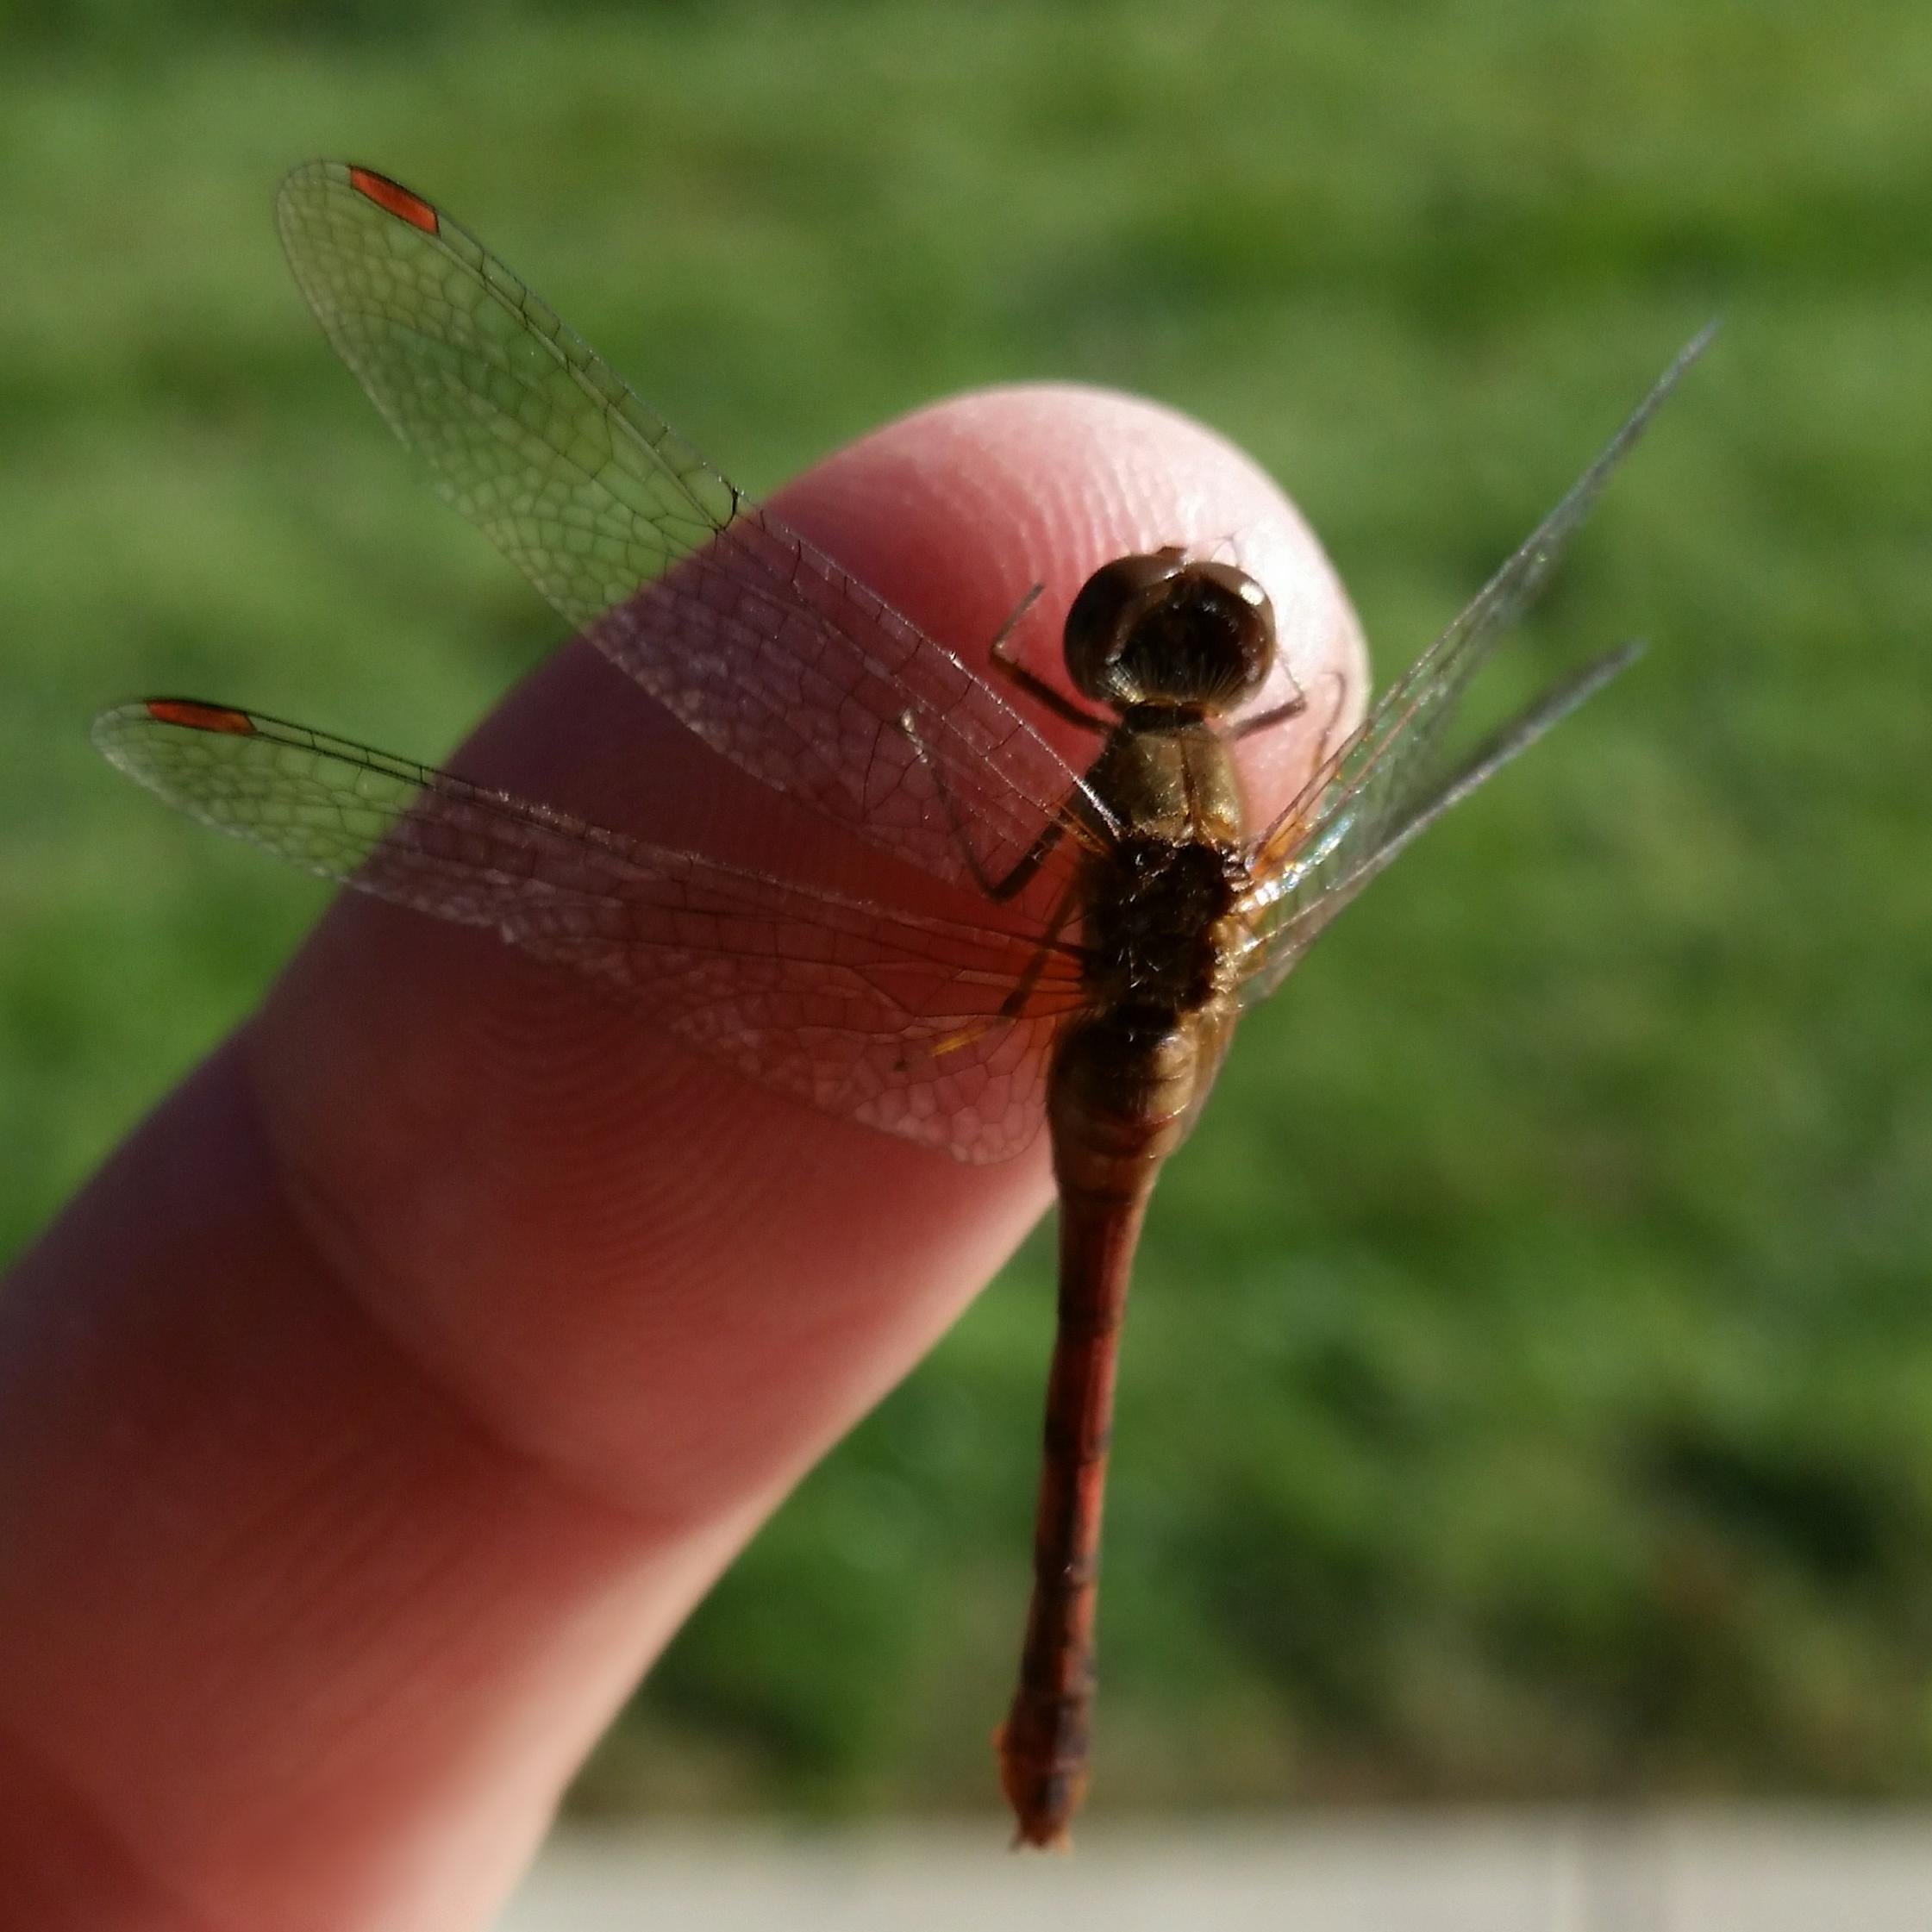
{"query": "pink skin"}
(371, 1419)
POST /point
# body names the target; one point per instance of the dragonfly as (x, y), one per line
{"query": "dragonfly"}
(1120, 917)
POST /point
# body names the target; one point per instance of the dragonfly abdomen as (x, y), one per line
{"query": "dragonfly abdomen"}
(1124, 1088)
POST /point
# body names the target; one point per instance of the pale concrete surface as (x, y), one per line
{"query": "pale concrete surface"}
(1754, 1872)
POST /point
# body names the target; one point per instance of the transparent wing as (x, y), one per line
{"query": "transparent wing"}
(892, 1019)
(760, 644)
(1392, 778)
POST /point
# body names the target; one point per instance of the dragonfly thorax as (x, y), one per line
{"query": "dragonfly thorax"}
(1157, 923)
(1168, 630)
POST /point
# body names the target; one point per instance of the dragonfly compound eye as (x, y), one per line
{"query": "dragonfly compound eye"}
(1165, 630)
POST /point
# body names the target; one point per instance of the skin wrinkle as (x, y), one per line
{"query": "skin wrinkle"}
(101, 1842)
(677, 1300)
(344, 1256)
(344, 1259)
(320, 1538)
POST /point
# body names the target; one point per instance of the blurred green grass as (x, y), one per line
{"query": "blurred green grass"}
(1529, 1388)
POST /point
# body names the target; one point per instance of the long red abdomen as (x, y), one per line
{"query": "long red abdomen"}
(1044, 1742)
(1120, 1096)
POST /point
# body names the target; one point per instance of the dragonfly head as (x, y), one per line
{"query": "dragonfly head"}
(1168, 629)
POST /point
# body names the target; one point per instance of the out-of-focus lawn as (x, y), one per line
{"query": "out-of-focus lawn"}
(1530, 1383)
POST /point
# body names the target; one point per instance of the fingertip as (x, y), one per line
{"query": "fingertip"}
(529, 1124)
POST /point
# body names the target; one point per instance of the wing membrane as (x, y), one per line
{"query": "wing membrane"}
(757, 642)
(1391, 780)
(890, 1018)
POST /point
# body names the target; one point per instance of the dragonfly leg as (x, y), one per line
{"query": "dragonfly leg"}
(1014, 1004)
(1335, 717)
(1031, 683)
(1265, 720)
(1011, 1006)
(996, 887)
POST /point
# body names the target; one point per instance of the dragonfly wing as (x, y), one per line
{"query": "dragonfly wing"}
(1395, 776)
(1296, 917)
(760, 643)
(890, 1018)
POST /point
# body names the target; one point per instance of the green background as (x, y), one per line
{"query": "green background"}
(1529, 1388)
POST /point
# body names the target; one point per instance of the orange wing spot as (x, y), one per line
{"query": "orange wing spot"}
(201, 717)
(393, 196)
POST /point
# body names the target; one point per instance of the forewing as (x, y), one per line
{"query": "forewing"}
(760, 644)
(890, 1018)
(1397, 774)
